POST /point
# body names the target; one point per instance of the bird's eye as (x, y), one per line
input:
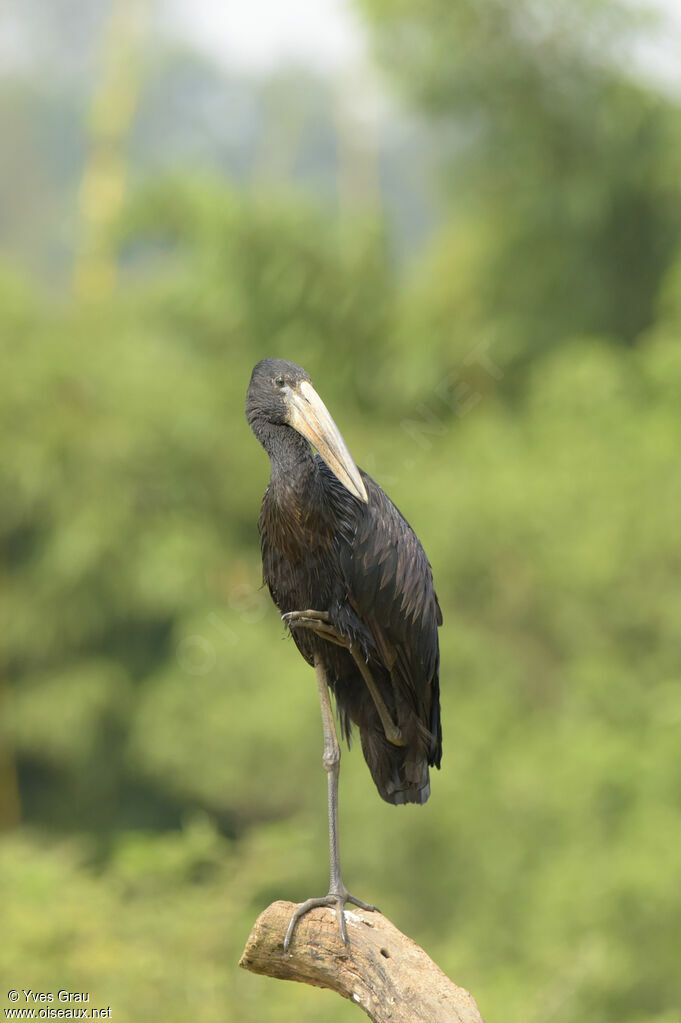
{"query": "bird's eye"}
(279, 381)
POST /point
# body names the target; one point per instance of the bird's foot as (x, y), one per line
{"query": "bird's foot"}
(318, 621)
(334, 898)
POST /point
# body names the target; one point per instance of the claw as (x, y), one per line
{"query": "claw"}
(306, 616)
(362, 905)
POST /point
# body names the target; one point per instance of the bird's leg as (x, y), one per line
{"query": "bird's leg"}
(320, 623)
(338, 894)
(393, 733)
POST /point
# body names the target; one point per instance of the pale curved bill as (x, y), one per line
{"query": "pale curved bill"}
(311, 418)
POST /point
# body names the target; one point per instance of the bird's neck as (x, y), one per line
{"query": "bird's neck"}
(292, 466)
(304, 506)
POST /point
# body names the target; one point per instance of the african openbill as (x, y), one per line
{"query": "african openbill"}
(354, 586)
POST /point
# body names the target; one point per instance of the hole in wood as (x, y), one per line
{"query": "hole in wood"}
(385, 953)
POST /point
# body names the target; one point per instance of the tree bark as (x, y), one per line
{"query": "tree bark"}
(381, 970)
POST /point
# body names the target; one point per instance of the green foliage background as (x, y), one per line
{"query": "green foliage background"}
(515, 387)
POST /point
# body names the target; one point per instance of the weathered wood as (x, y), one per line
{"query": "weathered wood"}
(381, 970)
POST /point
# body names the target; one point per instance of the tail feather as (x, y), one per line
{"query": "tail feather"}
(400, 773)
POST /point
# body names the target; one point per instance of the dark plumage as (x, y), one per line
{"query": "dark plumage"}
(325, 548)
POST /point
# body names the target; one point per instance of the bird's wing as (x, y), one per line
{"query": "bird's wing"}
(390, 587)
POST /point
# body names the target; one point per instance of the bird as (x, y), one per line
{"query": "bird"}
(355, 589)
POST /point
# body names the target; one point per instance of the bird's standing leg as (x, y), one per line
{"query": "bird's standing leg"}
(338, 894)
(320, 622)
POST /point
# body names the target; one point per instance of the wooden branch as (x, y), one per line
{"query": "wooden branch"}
(381, 970)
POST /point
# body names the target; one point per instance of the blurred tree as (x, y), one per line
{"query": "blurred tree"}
(564, 177)
(267, 132)
(267, 275)
(104, 174)
(10, 800)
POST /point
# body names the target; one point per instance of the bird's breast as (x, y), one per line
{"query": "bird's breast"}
(300, 558)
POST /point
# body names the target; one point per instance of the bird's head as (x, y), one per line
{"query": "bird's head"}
(281, 394)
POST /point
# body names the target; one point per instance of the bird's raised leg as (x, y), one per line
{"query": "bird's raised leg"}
(338, 894)
(320, 622)
(317, 621)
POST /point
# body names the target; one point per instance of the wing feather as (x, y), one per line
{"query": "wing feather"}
(389, 583)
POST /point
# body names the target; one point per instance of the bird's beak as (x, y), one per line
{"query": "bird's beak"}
(310, 417)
